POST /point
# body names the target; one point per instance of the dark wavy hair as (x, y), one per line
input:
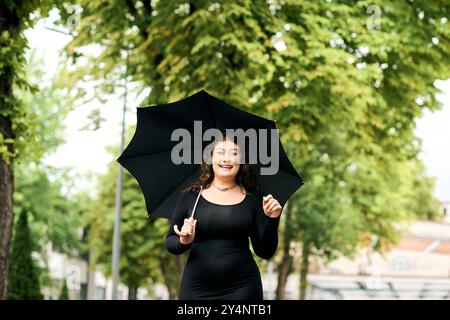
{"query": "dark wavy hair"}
(245, 177)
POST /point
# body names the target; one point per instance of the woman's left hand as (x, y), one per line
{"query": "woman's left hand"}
(271, 206)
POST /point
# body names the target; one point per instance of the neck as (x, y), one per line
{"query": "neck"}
(226, 182)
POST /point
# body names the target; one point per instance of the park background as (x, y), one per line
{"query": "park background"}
(361, 96)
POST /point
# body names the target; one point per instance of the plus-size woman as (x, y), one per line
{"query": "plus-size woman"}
(230, 210)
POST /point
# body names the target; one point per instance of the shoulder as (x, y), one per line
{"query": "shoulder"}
(186, 194)
(184, 200)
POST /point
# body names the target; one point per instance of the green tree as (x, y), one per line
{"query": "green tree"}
(16, 139)
(23, 277)
(345, 87)
(45, 192)
(144, 259)
(56, 216)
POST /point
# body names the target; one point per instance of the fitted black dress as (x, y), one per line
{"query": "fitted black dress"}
(220, 264)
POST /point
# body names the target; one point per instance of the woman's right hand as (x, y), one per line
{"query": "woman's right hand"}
(187, 233)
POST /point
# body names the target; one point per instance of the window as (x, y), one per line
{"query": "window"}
(400, 263)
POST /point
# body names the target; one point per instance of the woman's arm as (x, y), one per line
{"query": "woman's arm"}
(264, 234)
(173, 244)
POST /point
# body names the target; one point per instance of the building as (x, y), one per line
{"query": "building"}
(418, 267)
(85, 284)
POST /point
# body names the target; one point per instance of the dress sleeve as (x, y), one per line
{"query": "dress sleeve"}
(264, 234)
(173, 244)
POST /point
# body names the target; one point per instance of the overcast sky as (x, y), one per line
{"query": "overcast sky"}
(432, 128)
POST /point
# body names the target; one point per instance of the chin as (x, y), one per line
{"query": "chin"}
(226, 174)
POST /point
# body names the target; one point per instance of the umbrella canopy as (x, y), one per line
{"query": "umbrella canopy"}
(148, 155)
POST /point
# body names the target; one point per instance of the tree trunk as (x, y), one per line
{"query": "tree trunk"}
(6, 221)
(132, 292)
(285, 266)
(8, 22)
(304, 270)
(284, 270)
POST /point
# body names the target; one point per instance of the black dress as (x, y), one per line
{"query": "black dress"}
(220, 264)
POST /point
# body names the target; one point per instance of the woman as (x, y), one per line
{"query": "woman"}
(229, 211)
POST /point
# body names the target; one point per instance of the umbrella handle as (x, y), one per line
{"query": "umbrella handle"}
(195, 205)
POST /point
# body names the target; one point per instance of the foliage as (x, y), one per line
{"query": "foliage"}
(23, 278)
(64, 291)
(344, 80)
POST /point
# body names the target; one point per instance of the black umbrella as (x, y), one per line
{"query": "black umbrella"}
(148, 155)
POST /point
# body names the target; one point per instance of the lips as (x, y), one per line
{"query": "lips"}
(226, 166)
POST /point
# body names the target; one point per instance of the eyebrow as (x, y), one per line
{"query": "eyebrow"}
(224, 149)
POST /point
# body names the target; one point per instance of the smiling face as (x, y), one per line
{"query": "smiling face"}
(226, 159)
